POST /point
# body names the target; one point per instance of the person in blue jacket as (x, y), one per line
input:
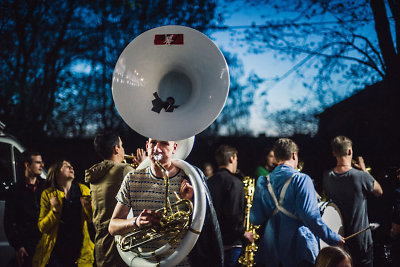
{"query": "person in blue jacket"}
(287, 200)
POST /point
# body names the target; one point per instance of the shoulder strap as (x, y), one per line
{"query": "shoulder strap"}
(278, 205)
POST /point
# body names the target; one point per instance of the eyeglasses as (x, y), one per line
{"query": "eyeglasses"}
(68, 166)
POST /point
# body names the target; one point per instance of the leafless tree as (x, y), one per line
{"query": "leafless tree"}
(337, 46)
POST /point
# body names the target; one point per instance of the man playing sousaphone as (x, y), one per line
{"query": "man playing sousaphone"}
(143, 191)
(193, 72)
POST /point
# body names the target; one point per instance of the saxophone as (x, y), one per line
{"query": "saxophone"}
(247, 257)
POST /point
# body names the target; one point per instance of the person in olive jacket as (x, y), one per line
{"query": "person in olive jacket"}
(105, 179)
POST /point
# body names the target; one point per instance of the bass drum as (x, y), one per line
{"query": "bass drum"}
(332, 217)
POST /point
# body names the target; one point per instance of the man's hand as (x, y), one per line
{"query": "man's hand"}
(186, 190)
(20, 254)
(359, 164)
(249, 236)
(140, 155)
(395, 231)
(148, 217)
(86, 203)
(55, 204)
(341, 242)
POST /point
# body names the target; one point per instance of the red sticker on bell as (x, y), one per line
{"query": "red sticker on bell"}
(168, 39)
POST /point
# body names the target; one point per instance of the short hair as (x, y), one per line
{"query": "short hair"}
(224, 153)
(331, 257)
(341, 145)
(284, 148)
(26, 156)
(104, 143)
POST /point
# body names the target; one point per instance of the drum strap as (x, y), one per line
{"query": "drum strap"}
(281, 197)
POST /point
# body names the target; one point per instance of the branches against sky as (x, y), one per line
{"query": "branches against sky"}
(336, 47)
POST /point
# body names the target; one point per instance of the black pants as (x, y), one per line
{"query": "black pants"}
(303, 263)
(55, 261)
(363, 258)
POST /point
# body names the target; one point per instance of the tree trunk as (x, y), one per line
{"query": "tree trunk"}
(382, 28)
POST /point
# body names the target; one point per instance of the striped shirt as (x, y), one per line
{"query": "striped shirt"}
(141, 189)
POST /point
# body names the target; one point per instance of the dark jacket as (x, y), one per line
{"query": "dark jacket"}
(21, 215)
(208, 250)
(227, 194)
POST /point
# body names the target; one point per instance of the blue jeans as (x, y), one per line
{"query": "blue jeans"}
(232, 256)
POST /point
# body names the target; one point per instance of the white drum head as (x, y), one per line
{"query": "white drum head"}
(332, 217)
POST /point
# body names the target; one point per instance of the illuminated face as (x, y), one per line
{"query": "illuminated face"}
(208, 171)
(165, 149)
(35, 167)
(296, 159)
(235, 163)
(121, 149)
(271, 162)
(67, 171)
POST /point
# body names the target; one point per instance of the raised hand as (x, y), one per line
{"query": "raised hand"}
(140, 155)
(20, 254)
(186, 190)
(55, 204)
(86, 203)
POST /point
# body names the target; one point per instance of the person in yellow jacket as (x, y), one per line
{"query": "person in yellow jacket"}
(65, 211)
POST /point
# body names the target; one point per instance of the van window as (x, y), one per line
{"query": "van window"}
(6, 173)
(19, 165)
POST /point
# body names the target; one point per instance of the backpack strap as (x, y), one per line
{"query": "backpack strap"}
(278, 205)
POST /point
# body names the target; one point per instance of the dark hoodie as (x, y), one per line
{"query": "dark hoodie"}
(105, 179)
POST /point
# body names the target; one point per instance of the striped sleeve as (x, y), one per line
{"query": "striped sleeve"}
(123, 195)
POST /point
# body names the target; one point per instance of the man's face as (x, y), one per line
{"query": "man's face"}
(35, 167)
(121, 149)
(165, 149)
(235, 163)
(271, 162)
(296, 158)
(67, 171)
(208, 171)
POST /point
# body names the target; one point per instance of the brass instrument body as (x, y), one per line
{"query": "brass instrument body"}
(174, 223)
(356, 165)
(133, 159)
(248, 255)
(173, 226)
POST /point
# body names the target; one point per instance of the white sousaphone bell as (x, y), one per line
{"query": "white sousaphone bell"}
(186, 67)
(170, 83)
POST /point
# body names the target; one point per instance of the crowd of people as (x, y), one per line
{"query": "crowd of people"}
(61, 222)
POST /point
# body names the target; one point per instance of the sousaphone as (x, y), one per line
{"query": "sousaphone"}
(170, 83)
